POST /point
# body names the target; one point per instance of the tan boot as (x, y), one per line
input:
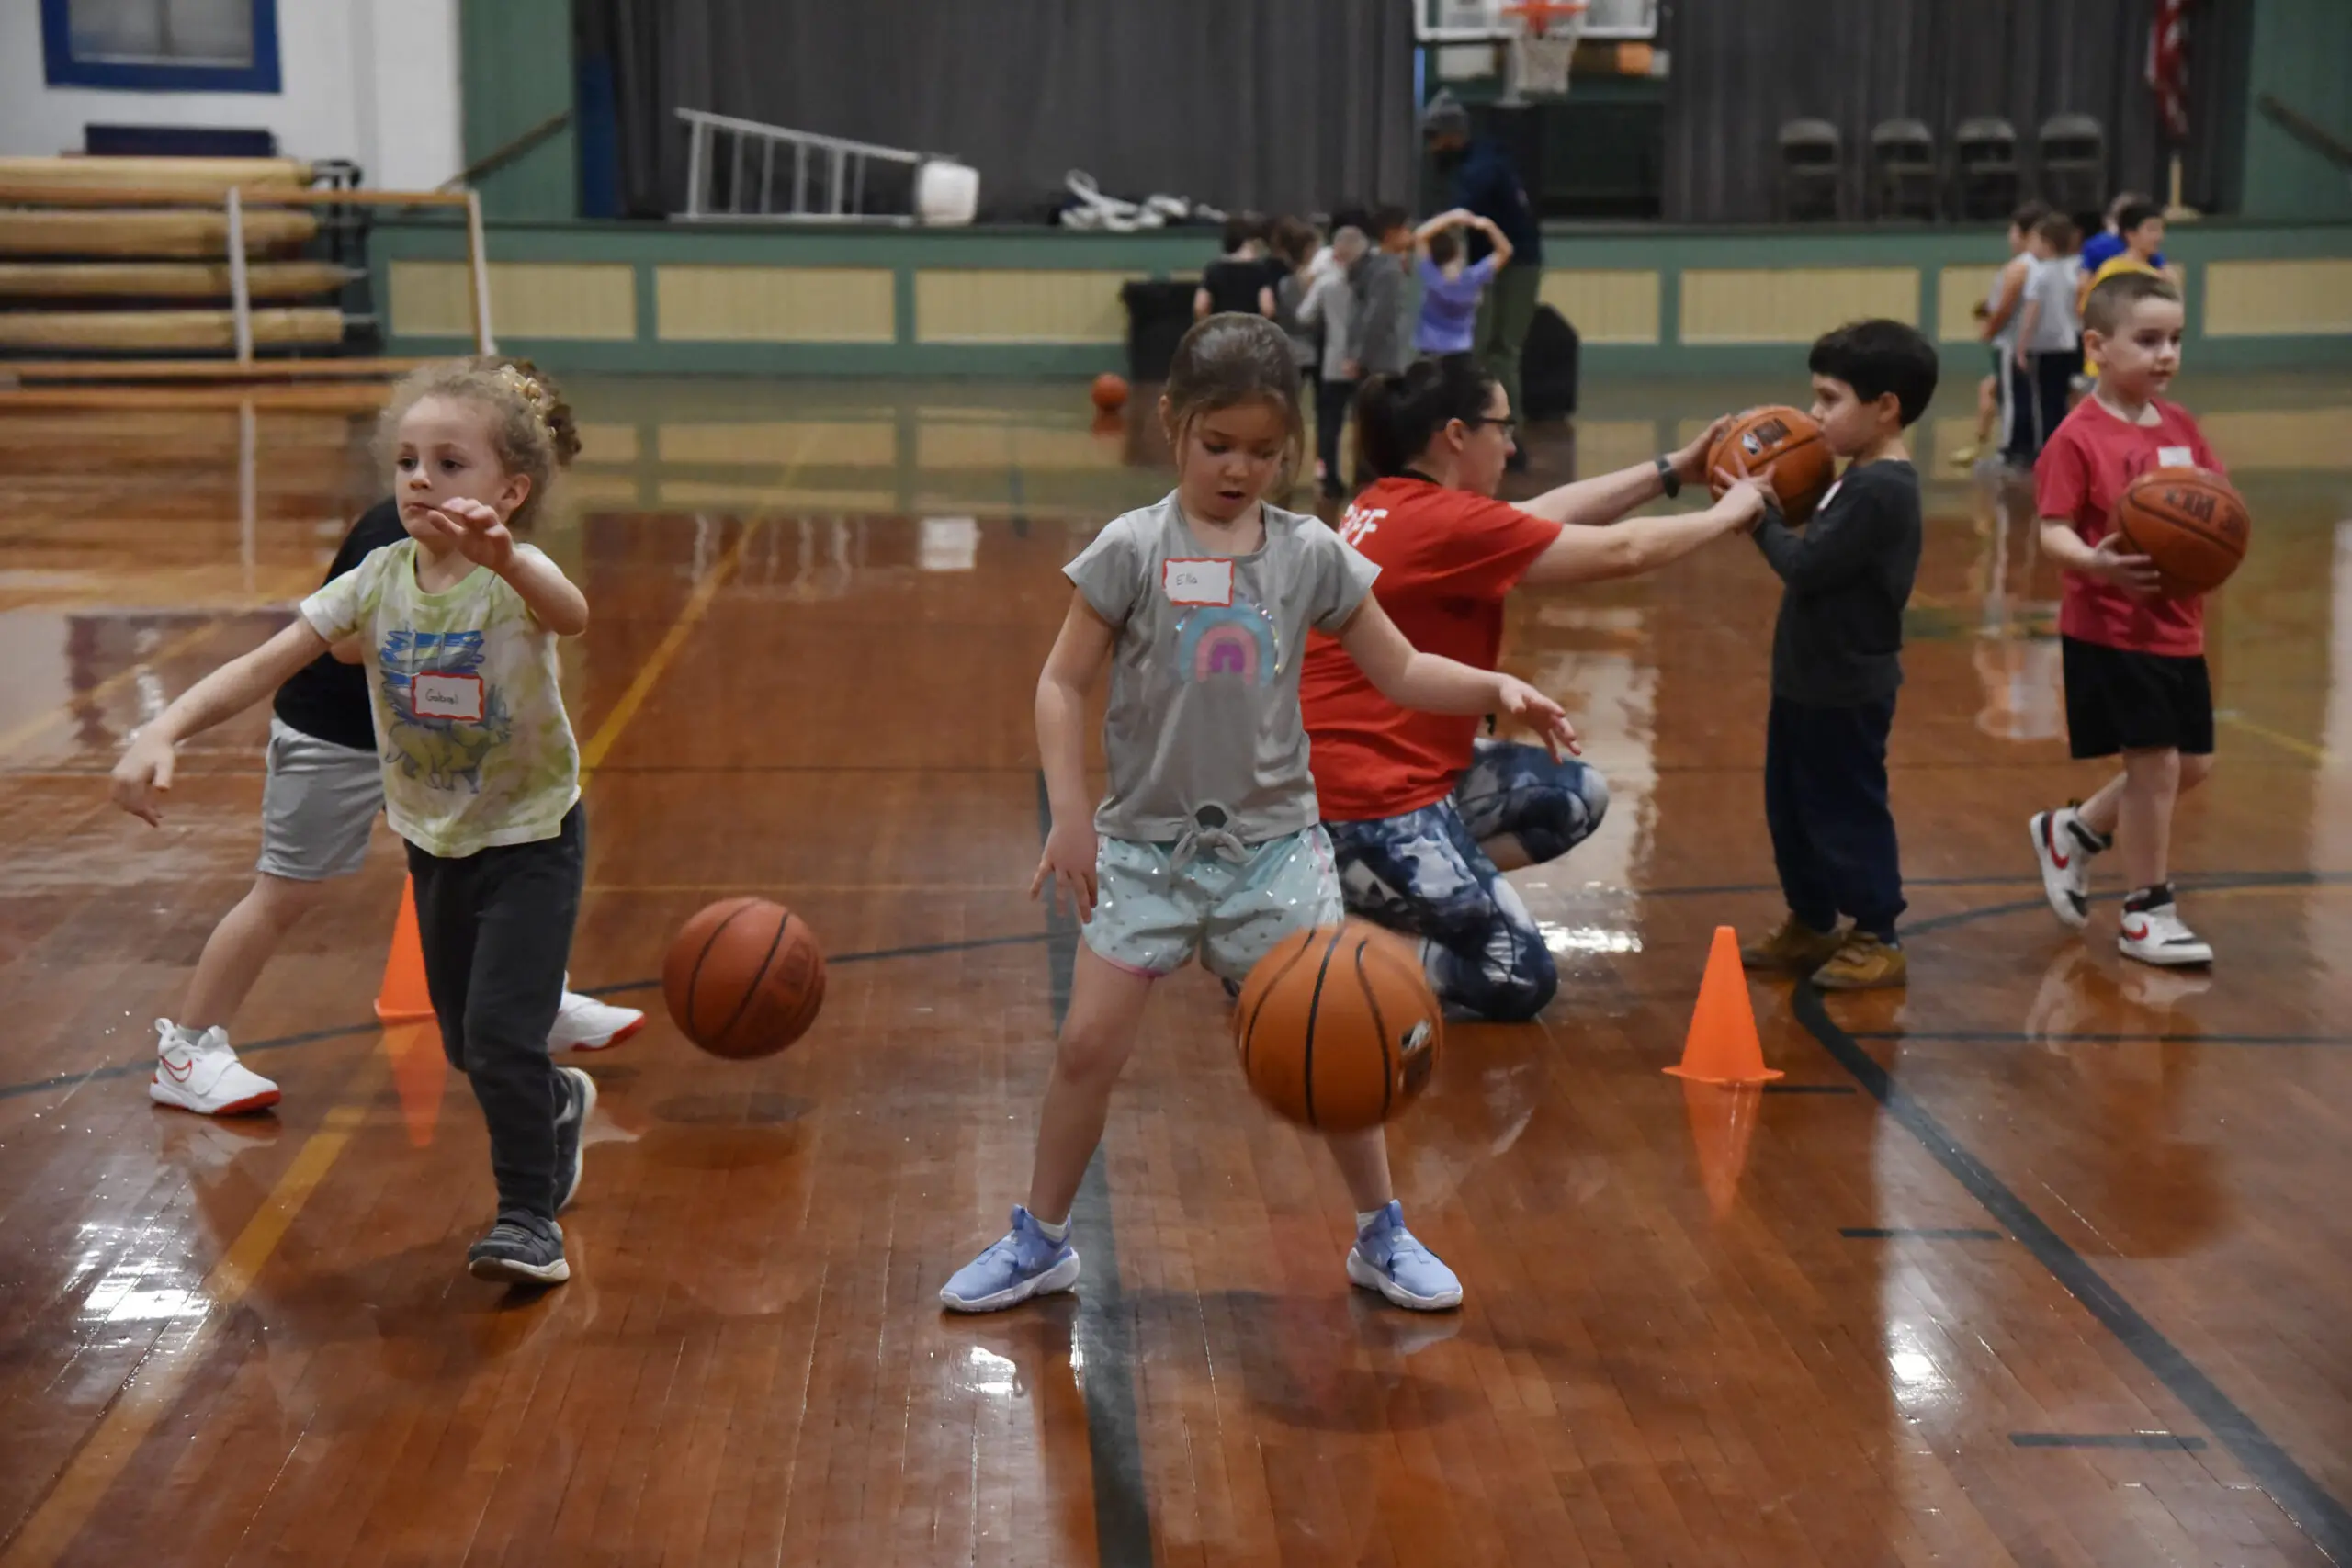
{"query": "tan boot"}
(1863, 964)
(1793, 948)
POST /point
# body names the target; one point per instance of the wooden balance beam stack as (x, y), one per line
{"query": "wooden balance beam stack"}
(81, 238)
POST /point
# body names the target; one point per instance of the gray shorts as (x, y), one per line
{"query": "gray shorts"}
(318, 805)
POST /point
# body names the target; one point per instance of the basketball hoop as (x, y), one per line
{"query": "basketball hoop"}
(1543, 38)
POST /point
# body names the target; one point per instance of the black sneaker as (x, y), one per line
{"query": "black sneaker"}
(568, 1121)
(521, 1249)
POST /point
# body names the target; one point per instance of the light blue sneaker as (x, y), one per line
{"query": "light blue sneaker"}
(1387, 1258)
(1021, 1264)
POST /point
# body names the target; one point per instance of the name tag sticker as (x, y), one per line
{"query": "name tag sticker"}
(1197, 579)
(434, 694)
(2175, 457)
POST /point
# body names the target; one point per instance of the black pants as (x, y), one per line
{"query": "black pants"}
(1333, 401)
(2038, 392)
(496, 928)
(1825, 798)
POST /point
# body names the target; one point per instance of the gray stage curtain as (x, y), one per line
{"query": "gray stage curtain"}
(1281, 106)
(1743, 67)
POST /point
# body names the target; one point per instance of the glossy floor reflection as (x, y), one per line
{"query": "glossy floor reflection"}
(2040, 1263)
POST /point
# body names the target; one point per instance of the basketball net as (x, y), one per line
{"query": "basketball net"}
(1543, 38)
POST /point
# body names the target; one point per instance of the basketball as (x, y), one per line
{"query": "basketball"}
(1791, 441)
(743, 978)
(1337, 1029)
(2193, 525)
(1110, 392)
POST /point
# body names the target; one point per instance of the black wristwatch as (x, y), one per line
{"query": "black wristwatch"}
(1668, 477)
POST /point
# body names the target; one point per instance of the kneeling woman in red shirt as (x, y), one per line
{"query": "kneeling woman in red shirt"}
(1423, 814)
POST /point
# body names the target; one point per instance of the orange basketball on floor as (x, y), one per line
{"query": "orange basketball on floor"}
(745, 978)
(1110, 392)
(1337, 1029)
(1802, 466)
(2191, 523)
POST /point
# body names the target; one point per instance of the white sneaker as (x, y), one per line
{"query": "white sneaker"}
(2064, 848)
(583, 1023)
(200, 1073)
(2157, 936)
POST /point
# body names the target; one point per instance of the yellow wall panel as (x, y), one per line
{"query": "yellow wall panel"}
(2282, 438)
(1791, 304)
(542, 300)
(1017, 306)
(2277, 299)
(799, 444)
(1958, 290)
(775, 304)
(972, 445)
(607, 443)
(1604, 446)
(1605, 306)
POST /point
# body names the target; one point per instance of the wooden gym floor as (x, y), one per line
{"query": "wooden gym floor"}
(2044, 1263)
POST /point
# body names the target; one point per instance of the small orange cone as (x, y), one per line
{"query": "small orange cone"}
(403, 999)
(1722, 1046)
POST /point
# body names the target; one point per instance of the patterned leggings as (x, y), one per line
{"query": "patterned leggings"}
(1424, 874)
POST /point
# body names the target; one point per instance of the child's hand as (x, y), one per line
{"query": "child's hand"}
(1737, 472)
(1536, 711)
(2119, 562)
(1742, 505)
(478, 532)
(1691, 462)
(1069, 864)
(144, 775)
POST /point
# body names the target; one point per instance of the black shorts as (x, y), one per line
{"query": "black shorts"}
(2120, 701)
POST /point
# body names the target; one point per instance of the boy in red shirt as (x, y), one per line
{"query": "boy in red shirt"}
(2135, 663)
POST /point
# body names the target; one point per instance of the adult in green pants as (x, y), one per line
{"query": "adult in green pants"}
(1486, 182)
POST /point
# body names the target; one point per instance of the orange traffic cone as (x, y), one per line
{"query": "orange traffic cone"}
(403, 999)
(1722, 1046)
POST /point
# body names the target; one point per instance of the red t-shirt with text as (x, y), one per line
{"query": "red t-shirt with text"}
(1446, 559)
(2090, 459)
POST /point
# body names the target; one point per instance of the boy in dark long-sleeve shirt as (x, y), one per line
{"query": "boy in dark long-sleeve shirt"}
(1837, 663)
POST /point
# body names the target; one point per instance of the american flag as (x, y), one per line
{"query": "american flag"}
(2169, 66)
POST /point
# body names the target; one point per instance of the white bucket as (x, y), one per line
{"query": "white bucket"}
(946, 192)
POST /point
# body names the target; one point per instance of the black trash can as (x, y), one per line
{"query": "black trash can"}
(1548, 366)
(1159, 315)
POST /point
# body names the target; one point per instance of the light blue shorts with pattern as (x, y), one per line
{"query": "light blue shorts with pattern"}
(1153, 914)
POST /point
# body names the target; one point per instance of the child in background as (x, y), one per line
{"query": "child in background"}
(1837, 665)
(1450, 287)
(2140, 236)
(2135, 675)
(1331, 307)
(2049, 338)
(1999, 315)
(1384, 297)
(2106, 242)
(1295, 251)
(1238, 280)
(480, 773)
(1208, 842)
(321, 791)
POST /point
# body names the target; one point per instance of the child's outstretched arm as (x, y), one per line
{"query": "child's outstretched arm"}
(1433, 684)
(1079, 652)
(482, 537)
(144, 774)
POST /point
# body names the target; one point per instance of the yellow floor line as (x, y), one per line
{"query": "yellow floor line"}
(2279, 738)
(155, 1387)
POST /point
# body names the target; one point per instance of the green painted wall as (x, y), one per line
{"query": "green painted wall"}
(2302, 54)
(1667, 251)
(516, 70)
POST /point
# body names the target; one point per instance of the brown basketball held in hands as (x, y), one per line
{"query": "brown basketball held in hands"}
(743, 978)
(1786, 438)
(2191, 523)
(1337, 1029)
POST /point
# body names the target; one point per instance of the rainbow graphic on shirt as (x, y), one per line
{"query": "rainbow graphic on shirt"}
(1232, 641)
